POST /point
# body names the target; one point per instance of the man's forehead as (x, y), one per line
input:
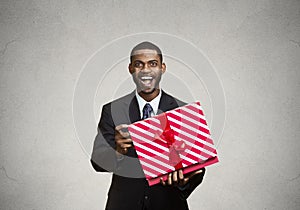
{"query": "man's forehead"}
(144, 52)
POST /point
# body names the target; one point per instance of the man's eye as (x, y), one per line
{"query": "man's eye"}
(153, 64)
(138, 64)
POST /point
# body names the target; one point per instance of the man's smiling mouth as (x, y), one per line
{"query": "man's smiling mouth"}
(146, 80)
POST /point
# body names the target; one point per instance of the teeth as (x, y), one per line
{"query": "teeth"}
(146, 78)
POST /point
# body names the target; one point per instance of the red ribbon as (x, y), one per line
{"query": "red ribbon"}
(175, 147)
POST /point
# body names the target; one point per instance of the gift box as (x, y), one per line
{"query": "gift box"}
(176, 139)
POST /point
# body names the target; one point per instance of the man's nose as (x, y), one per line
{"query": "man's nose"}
(146, 68)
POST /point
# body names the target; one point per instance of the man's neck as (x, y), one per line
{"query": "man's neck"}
(149, 96)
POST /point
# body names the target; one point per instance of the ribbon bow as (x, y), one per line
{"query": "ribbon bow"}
(175, 147)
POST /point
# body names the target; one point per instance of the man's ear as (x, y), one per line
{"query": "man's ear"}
(131, 70)
(163, 67)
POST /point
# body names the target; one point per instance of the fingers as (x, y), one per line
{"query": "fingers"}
(122, 130)
(121, 126)
(194, 173)
(173, 178)
(186, 179)
(170, 179)
(123, 141)
(122, 134)
(124, 150)
(122, 145)
(180, 174)
(181, 178)
(122, 138)
(177, 178)
(162, 182)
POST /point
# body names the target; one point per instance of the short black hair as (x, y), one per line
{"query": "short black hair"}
(146, 45)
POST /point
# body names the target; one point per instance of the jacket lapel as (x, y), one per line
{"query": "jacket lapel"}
(134, 110)
(166, 103)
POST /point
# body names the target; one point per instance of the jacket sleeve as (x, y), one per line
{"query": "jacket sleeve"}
(104, 156)
(192, 184)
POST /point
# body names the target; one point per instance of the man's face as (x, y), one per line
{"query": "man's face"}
(146, 69)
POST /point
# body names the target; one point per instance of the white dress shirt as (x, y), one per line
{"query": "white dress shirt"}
(154, 103)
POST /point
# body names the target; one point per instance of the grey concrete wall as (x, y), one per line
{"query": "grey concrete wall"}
(254, 46)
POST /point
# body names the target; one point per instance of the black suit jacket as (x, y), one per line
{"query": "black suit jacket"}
(129, 188)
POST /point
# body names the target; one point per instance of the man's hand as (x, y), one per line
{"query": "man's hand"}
(122, 139)
(177, 178)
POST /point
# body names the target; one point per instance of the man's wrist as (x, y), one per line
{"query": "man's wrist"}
(183, 187)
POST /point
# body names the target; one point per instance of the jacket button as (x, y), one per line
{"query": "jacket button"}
(146, 197)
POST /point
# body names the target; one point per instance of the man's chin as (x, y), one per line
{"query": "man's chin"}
(148, 91)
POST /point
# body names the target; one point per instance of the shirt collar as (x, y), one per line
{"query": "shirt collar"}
(154, 103)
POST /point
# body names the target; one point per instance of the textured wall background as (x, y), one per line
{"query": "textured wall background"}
(254, 46)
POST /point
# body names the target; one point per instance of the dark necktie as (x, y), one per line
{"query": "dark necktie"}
(147, 111)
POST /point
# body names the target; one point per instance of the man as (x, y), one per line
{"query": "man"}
(113, 150)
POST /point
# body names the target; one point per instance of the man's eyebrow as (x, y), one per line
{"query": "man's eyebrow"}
(146, 61)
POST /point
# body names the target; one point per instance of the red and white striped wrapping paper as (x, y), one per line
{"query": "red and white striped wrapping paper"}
(192, 147)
